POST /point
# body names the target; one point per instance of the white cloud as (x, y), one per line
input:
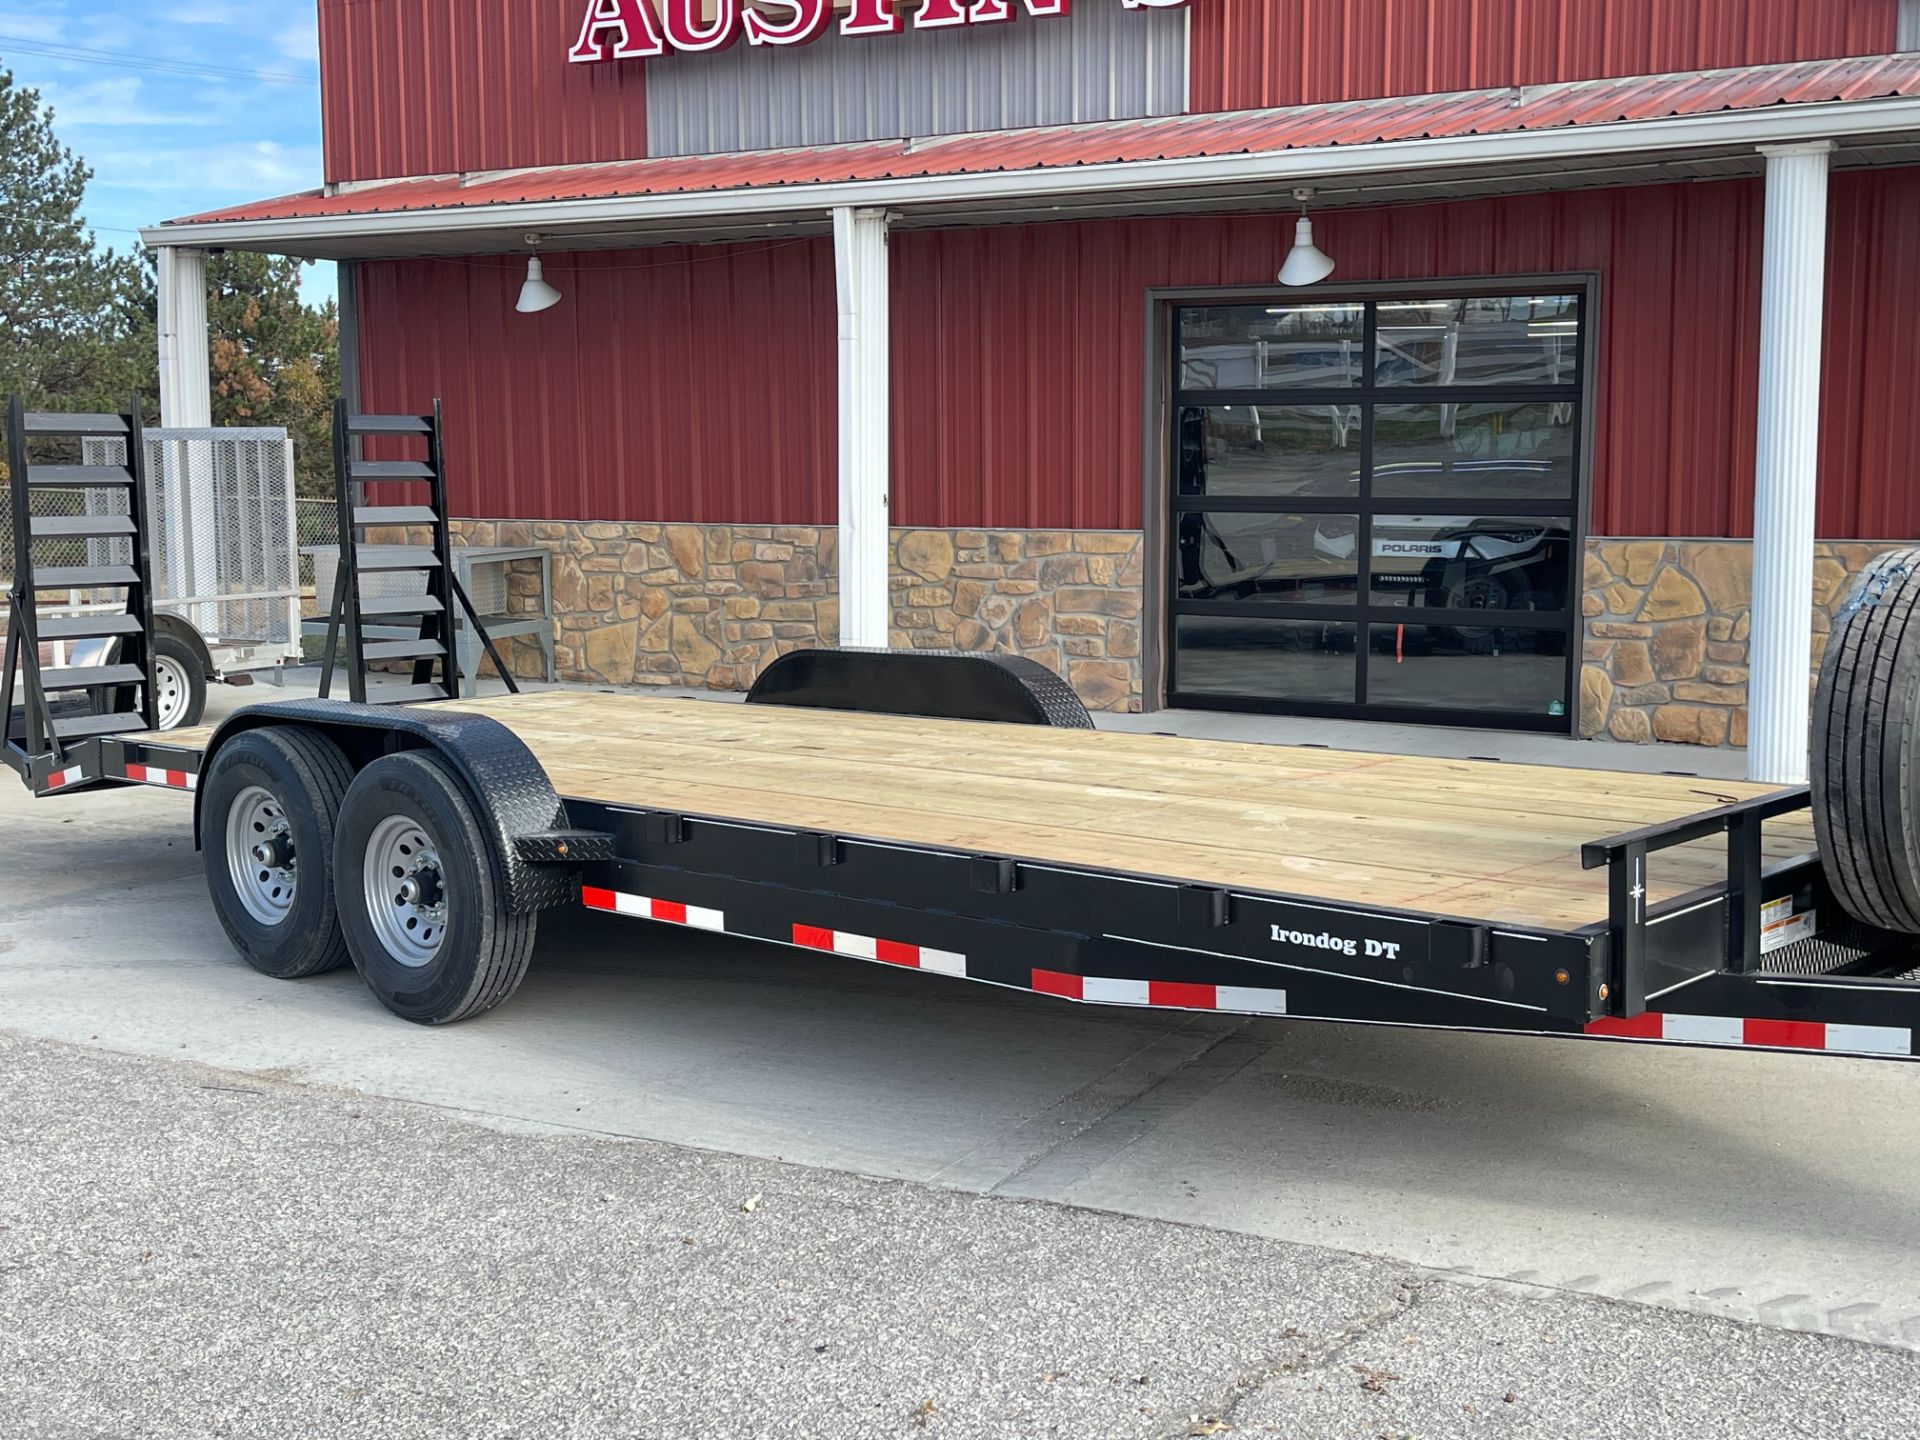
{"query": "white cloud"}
(232, 170)
(300, 42)
(161, 143)
(206, 12)
(40, 27)
(110, 104)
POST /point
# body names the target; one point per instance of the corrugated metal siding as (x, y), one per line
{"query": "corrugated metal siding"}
(1870, 409)
(1249, 53)
(698, 384)
(690, 384)
(1018, 360)
(439, 87)
(1102, 63)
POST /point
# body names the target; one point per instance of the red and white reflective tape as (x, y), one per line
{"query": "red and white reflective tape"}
(645, 907)
(60, 779)
(154, 775)
(1093, 989)
(1769, 1034)
(1161, 994)
(887, 952)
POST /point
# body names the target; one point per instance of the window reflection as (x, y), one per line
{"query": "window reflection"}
(1467, 562)
(1353, 482)
(1271, 659)
(1262, 347)
(1522, 451)
(1434, 666)
(1256, 450)
(1237, 555)
(1484, 340)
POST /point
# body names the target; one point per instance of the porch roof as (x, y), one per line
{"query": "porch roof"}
(1484, 141)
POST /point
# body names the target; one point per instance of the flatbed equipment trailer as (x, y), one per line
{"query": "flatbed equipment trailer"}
(1100, 867)
(958, 814)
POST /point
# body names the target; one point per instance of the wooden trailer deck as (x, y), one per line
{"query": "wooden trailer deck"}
(1470, 838)
(1474, 839)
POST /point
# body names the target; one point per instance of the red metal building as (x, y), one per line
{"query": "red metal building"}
(971, 334)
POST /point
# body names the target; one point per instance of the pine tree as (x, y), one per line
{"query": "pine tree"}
(275, 359)
(76, 322)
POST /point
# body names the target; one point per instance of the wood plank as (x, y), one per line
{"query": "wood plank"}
(1494, 841)
(1477, 839)
(1331, 792)
(1518, 794)
(1334, 826)
(1001, 744)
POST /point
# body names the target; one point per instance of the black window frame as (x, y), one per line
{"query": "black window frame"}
(1364, 613)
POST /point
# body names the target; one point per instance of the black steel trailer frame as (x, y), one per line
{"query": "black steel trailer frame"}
(1767, 957)
(1698, 969)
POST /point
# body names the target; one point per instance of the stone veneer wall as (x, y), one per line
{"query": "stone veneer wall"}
(1665, 653)
(1070, 599)
(1666, 634)
(707, 606)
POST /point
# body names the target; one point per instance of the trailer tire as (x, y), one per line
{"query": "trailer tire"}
(180, 686)
(423, 902)
(1865, 762)
(285, 783)
(180, 682)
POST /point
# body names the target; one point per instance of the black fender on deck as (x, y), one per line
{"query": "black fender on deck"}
(941, 684)
(524, 818)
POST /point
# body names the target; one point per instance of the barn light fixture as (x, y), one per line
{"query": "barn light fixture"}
(1308, 263)
(536, 295)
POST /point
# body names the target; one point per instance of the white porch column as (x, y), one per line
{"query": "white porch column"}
(187, 561)
(185, 386)
(860, 264)
(1792, 295)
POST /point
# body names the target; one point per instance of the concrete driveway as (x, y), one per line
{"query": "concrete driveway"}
(1764, 1187)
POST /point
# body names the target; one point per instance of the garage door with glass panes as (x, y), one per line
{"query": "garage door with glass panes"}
(1376, 508)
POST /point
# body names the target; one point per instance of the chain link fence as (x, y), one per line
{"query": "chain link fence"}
(315, 522)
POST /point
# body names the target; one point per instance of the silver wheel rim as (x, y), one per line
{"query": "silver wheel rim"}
(405, 890)
(170, 691)
(260, 855)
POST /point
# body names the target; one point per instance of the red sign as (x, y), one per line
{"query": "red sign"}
(637, 29)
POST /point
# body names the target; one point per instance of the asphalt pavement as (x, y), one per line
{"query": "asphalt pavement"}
(187, 1251)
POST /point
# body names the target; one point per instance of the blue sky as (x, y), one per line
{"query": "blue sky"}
(178, 105)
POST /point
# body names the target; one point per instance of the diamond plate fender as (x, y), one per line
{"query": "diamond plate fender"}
(517, 806)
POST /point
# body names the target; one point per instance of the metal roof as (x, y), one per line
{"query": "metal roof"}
(1074, 148)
